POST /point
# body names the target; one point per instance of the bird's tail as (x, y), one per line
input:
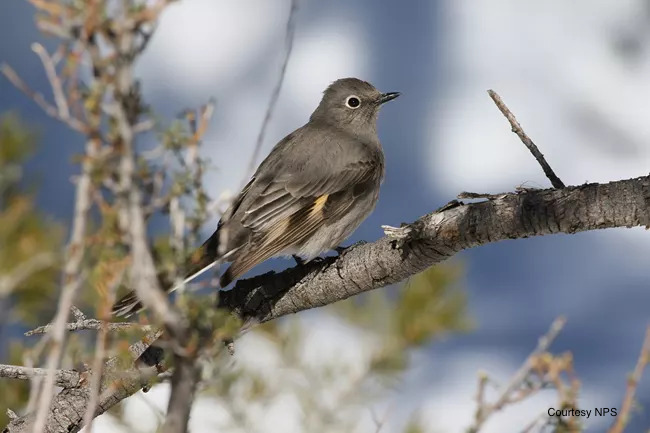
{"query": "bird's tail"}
(200, 261)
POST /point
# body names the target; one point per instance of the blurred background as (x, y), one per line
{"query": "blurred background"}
(577, 76)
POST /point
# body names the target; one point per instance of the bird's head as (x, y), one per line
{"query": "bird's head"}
(351, 103)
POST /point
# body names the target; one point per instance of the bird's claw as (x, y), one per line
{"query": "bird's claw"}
(302, 262)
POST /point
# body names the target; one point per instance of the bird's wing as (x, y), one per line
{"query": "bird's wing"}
(290, 192)
(310, 162)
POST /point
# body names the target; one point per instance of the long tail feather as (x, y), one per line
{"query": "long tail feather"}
(200, 261)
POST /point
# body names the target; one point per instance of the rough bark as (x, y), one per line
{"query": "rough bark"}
(429, 240)
(436, 237)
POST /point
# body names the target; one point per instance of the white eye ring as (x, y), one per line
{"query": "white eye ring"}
(353, 102)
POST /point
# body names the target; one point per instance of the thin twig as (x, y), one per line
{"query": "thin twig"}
(542, 346)
(484, 412)
(517, 129)
(90, 324)
(632, 383)
(288, 40)
(55, 82)
(62, 378)
(39, 99)
(78, 315)
(480, 394)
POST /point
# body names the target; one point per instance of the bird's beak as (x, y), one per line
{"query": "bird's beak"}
(385, 97)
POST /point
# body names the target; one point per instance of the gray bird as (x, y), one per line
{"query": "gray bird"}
(310, 193)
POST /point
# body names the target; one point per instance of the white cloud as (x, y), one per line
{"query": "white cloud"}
(203, 45)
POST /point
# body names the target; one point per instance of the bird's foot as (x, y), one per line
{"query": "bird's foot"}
(302, 262)
(299, 260)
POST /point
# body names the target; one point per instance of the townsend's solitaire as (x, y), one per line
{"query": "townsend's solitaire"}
(310, 193)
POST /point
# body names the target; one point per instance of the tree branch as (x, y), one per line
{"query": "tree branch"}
(518, 381)
(67, 410)
(89, 324)
(429, 240)
(403, 252)
(62, 378)
(436, 237)
(517, 129)
(40, 100)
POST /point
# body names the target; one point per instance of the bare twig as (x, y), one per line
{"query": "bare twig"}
(78, 315)
(289, 37)
(434, 238)
(632, 382)
(40, 100)
(62, 378)
(55, 82)
(517, 129)
(542, 346)
(509, 394)
(483, 380)
(90, 324)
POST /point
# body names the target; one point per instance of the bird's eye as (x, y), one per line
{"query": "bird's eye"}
(353, 102)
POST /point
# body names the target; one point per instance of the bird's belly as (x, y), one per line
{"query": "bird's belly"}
(331, 235)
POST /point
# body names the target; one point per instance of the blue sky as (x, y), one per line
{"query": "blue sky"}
(577, 75)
